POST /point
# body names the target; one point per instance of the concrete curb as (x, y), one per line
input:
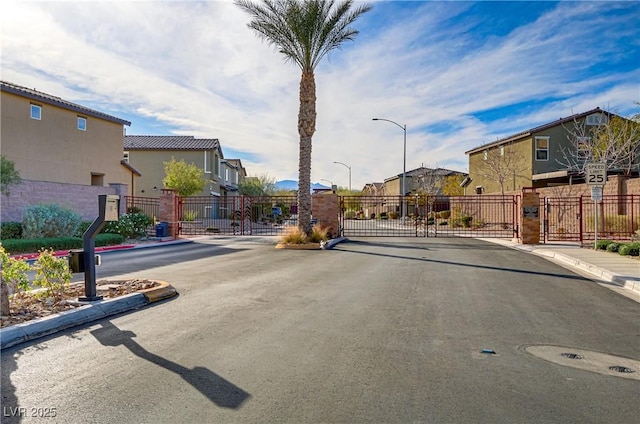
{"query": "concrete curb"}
(331, 243)
(19, 333)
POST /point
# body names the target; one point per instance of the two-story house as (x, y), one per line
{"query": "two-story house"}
(148, 153)
(421, 180)
(538, 157)
(65, 153)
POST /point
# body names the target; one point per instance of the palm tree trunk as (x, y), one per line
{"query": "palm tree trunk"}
(306, 128)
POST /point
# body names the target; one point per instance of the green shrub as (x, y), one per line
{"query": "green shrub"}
(629, 249)
(52, 274)
(84, 226)
(10, 230)
(602, 244)
(444, 214)
(131, 225)
(51, 220)
(14, 273)
(58, 243)
(613, 247)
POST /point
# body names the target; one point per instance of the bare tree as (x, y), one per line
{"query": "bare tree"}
(614, 141)
(427, 181)
(502, 164)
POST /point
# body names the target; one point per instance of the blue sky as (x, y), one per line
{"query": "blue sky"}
(457, 74)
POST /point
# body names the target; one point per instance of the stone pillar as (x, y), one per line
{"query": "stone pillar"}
(529, 217)
(169, 211)
(326, 209)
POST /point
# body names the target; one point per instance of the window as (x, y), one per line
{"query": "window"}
(597, 119)
(226, 174)
(126, 157)
(501, 150)
(219, 167)
(583, 148)
(207, 162)
(479, 189)
(36, 112)
(235, 177)
(542, 148)
(82, 123)
(485, 154)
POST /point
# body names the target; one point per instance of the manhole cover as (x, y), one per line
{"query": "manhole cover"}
(618, 368)
(598, 362)
(572, 355)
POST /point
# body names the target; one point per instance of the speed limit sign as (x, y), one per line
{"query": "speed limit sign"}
(596, 173)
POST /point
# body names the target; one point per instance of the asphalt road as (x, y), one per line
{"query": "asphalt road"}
(375, 330)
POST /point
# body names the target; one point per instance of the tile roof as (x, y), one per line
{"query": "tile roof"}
(536, 129)
(442, 172)
(56, 101)
(169, 142)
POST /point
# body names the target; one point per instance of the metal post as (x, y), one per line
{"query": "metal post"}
(88, 241)
(349, 168)
(404, 166)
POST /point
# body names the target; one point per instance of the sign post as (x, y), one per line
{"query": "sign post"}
(596, 177)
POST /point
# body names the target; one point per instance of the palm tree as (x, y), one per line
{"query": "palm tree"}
(304, 31)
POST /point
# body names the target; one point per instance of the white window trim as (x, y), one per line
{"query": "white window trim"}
(485, 154)
(219, 167)
(226, 174)
(207, 162)
(84, 121)
(501, 150)
(126, 156)
(596, 119)
(548, 139)
(39, 109)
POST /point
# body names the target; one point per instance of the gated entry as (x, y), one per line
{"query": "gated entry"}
(236, 215)
(428, 216)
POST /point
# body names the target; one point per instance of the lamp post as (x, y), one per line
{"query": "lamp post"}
(404, 165)
(349, 168)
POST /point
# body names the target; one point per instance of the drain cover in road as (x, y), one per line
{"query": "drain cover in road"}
(587, 360)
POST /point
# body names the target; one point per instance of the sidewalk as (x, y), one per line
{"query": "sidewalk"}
(611, 267)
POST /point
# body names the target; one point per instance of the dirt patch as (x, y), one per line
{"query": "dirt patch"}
(36, 304)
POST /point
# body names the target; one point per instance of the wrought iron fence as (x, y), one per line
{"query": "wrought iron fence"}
(237, 215)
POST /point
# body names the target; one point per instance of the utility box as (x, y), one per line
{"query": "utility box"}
(76, 260)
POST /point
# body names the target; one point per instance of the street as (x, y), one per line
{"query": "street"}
(379, 330)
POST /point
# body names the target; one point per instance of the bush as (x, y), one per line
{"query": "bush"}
(51, 220)
(444, 214)
(613, 247)
(10, 230)
(629, 249)
(318, 234)
(131, 225)
(14, 272)
(84, 226)
(52, 274)
(602, 244)
(58, 243)
(294, 235)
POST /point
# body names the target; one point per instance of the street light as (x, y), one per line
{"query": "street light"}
(404, 164)
(349, 168)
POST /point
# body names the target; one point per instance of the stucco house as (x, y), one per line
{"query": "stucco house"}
(420, 180)
(65, 153)
(539, 155)
(148, 153)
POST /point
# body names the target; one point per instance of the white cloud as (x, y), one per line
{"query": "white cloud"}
(197, 69)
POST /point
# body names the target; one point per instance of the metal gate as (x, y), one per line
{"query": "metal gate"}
(236, 215)
(428, 216)
(573, 218)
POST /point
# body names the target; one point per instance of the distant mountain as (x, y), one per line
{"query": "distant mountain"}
(293, 185)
